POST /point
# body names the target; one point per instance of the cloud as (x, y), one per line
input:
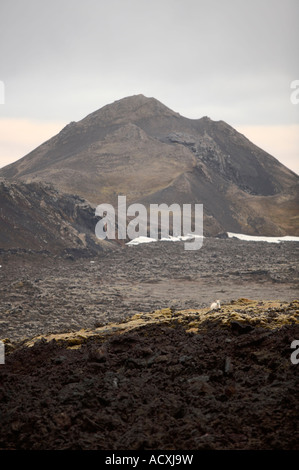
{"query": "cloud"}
(59, 57)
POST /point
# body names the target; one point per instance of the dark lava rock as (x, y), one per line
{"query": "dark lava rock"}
(156, 387)
(241, 328)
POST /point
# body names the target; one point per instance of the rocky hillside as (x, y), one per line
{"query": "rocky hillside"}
(140, 148)
(36, 217)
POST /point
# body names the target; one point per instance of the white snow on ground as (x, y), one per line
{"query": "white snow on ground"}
(181, 238)
(139, 240)
(240, 236)
(253, 238)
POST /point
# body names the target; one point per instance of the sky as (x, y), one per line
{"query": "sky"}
(231, 60)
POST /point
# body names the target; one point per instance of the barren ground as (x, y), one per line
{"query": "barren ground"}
(180, 378)
(41, 294)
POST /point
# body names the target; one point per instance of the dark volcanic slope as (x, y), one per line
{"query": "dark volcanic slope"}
(138, 147)
(37, 217)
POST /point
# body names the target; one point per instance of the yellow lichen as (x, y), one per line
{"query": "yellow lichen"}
(266, 314)
(192, 330)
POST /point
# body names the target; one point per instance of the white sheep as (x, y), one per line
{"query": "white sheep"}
(215, 305)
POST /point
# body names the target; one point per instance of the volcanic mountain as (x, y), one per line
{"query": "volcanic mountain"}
(140, 148)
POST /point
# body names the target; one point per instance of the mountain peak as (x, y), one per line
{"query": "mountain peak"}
(130, 109)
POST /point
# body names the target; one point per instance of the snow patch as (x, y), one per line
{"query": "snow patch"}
(256, 238)
(181, 238)
(139, 240)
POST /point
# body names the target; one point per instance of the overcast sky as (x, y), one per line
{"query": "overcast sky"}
(227, 59)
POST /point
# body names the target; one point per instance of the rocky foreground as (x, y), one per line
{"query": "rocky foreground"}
(169, 379)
